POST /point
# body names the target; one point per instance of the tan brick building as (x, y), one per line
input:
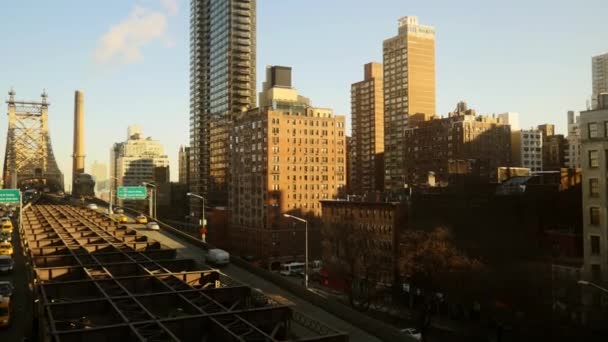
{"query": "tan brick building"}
(286, 158)
(440, 146)
(359, 240)
(367, 110)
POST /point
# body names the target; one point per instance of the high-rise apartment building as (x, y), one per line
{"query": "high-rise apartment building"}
(599, 75)
(462, 143)
(546, 130)
(367, 115)
(594, 165)
(286, 158)
(409, 88)
(99, 171)
(222, 84)
(527, 149)
(554, 148)
(573, 156)
(183, 157)
(511, 119)
(136, 160)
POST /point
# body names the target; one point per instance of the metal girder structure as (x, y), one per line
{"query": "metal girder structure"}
(97, 280)
(29, 154)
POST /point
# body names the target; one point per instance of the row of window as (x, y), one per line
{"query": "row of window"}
(594, 129)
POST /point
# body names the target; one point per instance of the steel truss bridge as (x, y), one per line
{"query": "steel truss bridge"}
(29, 160)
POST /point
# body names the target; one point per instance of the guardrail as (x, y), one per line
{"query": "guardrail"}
(379, 329)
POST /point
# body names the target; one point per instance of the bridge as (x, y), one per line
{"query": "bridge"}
(29, 161)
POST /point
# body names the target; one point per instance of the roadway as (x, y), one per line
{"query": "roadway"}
(188, 250)
(22, 306)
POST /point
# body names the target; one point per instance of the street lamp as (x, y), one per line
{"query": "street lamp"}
(305, 248)
(588, 283)
(152, 199)
(203, 238)
(110, 212)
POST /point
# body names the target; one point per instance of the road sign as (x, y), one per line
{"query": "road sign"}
(10, 195)
(132, 192)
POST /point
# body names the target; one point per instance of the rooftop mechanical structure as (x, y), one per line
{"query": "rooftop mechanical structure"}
(29, 160)
(97, 280)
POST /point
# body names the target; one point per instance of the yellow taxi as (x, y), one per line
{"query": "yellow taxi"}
(141, 219)
(6, 248)
(123, 219)
(7, 226)
(5, 312)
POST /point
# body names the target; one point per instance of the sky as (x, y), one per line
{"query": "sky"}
(131, 59)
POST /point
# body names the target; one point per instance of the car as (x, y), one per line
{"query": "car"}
(60, 193)
(7, 226)
(141, 219)
(5, 312)
(412, 332)
(6, 248)
(6, 288)
(6, 237)
(119, 210)
(153, 225)
(123, 219)
(92, 206)
(6, 263)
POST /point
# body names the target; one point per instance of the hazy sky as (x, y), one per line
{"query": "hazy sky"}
(131, 58)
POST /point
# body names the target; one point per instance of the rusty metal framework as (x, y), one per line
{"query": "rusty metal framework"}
(100, 281)
(29, 155)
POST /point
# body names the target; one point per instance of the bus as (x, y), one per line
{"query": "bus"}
(292, 268)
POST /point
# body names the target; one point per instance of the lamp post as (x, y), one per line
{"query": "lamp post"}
(305, 244)
(152, 199)
(110, 211)
(588, 283)
(204, 222)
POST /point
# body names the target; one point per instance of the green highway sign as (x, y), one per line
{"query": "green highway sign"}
(132, 192)
(10, 195)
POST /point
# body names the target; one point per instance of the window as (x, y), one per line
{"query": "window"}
(593, 159)
(595, 245)
(594, 187)
(594, 216)
(593, 133)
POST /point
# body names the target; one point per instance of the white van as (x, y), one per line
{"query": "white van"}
(292, 268)
(218, 257)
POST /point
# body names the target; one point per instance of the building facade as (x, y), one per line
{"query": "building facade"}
(511, 119)
(367, 115)
(99, 171)
(554, 148)
(599, 77)
(137, 160)
(286, 158)
(359, 240)
(594, 164)
(459, 144)
(573, 140)
(409, 88)
(527, 149)
(222, 85)
(183, 157)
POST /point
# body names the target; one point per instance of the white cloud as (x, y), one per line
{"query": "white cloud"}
(122, 43)
(172, 6)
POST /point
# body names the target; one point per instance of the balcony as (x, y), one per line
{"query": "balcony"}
(244, 42)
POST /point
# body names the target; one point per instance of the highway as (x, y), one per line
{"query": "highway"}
(187, 250)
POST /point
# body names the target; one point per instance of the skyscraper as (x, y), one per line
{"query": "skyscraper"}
(367, 110)
(222, 84)
(599, 71)
(409, 88)
(184, 164)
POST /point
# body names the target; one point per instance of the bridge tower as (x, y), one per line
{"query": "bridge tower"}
(29, 159)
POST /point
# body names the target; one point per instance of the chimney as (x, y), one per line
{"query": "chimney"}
(78, 156)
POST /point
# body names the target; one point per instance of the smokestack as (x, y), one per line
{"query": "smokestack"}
(78, 161)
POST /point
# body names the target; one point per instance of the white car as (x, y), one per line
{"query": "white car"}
(152, 226)
(92, 206)
(411, 332)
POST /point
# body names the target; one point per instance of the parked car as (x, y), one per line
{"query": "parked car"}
(92, 206)
(6, 263)
(118, 210)
(6, 248)
(141, 219)
(412, 332)
(218, 257)
(153, 225)
(6, 288)
(5, 312)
